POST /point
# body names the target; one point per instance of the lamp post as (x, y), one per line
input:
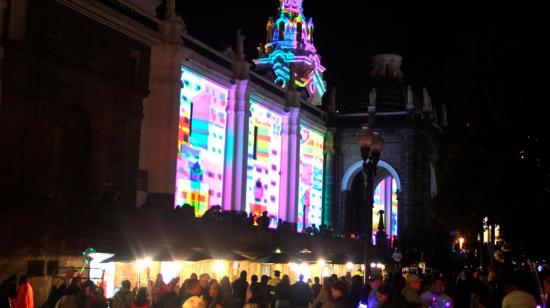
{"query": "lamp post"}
(371, 144)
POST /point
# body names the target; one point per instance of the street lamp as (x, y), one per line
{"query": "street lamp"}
(371, 144)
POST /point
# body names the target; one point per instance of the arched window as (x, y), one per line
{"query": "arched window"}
(385, 198)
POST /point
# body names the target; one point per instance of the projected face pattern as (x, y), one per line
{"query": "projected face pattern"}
(201, 142)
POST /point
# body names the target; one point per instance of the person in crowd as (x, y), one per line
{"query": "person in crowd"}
(240, 285)
(324, 297)
(274, 281)
(384, 297)
(89, 295)
(124, 297)
(348, 276)
(192, 295)
(141, 299)
(301, 294)
(214, 298)
(316, 287)
(184, 284)
(338, 298)
(436, 297)
(356, 293)
(410, 292)
(25, 295)
(263, 289)
(227, 291)
(193, 288)
(374, 283)
(100, 301)
(515, 297)
(253, 284)
(8, 292)
(547, 291)
(156, 289)
(476, 289)
(254, 299)
(204, 281)
(283, 292)
(271, 285)
(70, 299)
(264, 220)
(462, 290)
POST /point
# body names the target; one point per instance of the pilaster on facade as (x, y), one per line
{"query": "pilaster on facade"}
(159, 132)
(236, 146)
(329, 177)
(290, 164)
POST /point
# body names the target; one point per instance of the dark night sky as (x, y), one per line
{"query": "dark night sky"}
(486, 62)
(444, 47)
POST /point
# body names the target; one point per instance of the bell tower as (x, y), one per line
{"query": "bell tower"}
(289, 42)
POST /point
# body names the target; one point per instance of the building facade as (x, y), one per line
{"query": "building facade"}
(104, 104)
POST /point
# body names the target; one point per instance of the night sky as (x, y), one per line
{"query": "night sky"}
(486, 62)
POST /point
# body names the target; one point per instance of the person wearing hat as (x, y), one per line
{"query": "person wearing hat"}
(272, 284)
(410, 292)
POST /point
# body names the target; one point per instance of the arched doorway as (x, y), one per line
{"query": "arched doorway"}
(387, 186)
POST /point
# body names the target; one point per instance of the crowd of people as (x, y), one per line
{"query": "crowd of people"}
(469, 290)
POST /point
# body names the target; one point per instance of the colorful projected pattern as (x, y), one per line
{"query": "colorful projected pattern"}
(311, 178)
(264, 162)
(290, 41)
(393, 215)
(201, 143)
(385, 198)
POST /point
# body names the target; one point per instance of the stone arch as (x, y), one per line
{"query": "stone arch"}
(355, 168)
(352, 216)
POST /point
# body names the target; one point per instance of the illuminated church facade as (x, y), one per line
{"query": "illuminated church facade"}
(245, 142)
(167, 120)
(264, 139)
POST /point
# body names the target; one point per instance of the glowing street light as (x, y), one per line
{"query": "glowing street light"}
(349, 266)
(219, 267)
(321, 262)
(144, 263)
(461, 242)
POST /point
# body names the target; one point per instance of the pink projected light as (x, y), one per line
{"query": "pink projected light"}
(292, 6)
(201, 143)
(264, 162)
(310, 200)
(385, 198)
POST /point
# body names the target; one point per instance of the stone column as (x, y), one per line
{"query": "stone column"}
(159, 128)
(290, 165)
(236, 146)
(328, 178)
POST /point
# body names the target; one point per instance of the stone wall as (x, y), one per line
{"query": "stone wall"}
(409, 148)
(71, 108)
